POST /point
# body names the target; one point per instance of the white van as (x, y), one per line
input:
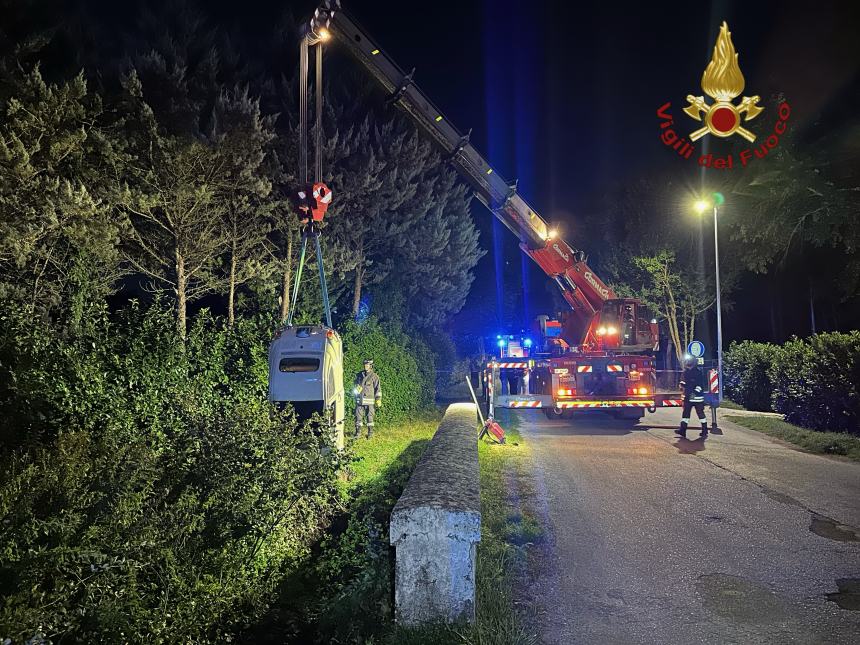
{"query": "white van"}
(306, 370)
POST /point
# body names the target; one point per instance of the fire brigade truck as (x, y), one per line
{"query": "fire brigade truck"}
(600, 354)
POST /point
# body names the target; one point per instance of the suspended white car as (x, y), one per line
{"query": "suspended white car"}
(306, 371)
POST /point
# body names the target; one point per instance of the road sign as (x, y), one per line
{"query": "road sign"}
(696, 349)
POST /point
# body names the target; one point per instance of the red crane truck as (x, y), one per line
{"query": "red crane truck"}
(604, 358)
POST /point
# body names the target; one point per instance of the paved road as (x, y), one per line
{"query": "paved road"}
(653, 539)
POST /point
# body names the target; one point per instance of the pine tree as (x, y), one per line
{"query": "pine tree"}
(436, 257)
(57, 237)
(174, 202)
(244, 138)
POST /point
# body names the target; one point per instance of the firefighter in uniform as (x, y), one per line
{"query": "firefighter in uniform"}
(368, 397)
(693, 383)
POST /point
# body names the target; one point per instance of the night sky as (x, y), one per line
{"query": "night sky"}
(562, 96)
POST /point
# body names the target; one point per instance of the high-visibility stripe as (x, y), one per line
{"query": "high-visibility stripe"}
(524, 404)
(714, 381)
(604, 404)
(583, 369)
(672, 402)
(614, 368)
(511, 364)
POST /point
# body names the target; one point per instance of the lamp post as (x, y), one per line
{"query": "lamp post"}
(701, 206)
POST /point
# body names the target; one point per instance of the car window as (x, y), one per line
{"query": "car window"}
(299, 364)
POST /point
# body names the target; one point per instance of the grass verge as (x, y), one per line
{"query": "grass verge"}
(344, 593)
(822, 443)
(508, 527)
(728, 404)
(371, 458)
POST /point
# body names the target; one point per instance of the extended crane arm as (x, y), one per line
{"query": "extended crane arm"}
(582, 289)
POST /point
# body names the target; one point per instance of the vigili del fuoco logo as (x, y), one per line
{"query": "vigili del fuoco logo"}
(723, 82)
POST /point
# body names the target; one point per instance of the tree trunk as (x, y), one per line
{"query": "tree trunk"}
(356, 298)
(692, 328)
(812, 309)
(288, 278)
(231, 292)
(181, 295)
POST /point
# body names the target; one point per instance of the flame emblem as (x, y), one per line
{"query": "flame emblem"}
(723, 81)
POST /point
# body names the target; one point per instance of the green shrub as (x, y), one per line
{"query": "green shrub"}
(158, 497)
(426, 361)
(446, 359)
(816, 381)
(405, 387)
(746, 372)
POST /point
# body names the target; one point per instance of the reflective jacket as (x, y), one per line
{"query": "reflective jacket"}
(367, 389)
(693, 382)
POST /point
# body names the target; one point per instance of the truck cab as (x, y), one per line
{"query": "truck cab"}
(306, 371)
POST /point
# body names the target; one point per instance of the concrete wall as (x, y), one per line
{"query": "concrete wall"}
(436, 525)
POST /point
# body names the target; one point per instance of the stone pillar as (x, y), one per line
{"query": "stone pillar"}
(436, 525)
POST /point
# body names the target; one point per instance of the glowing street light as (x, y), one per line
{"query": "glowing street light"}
(700, 207)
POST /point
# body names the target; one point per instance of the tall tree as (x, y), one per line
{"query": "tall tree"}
(244, 137)
(398, 209)
(801, 196)
(436, 254)
(173, 199)
(57, 236)
(678, 298)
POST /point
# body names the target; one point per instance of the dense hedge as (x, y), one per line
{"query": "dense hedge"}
(746, 369)
(148, 492)
(404, 364)
(814, 382)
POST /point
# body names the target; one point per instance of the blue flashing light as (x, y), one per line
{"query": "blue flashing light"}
(498, 336)
(501, 342)
(527, 342)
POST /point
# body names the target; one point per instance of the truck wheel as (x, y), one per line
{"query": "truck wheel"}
(554, 413)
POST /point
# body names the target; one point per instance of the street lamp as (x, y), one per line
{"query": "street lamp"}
(701, 206)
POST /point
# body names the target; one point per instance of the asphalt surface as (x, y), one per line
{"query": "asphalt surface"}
(654, 539)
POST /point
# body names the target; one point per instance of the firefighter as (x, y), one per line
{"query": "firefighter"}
(368, 397)
(693, 383)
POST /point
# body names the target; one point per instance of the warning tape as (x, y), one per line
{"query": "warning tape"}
(668, 403)
(614, 368)
(583, 369)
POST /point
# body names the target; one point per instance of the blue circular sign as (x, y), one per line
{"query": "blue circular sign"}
(696, 349)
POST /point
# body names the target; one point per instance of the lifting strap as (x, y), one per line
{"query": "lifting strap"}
(310, 232)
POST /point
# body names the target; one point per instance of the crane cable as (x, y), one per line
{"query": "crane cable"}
(310, 230)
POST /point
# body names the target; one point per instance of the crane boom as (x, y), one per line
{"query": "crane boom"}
(584, 291)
